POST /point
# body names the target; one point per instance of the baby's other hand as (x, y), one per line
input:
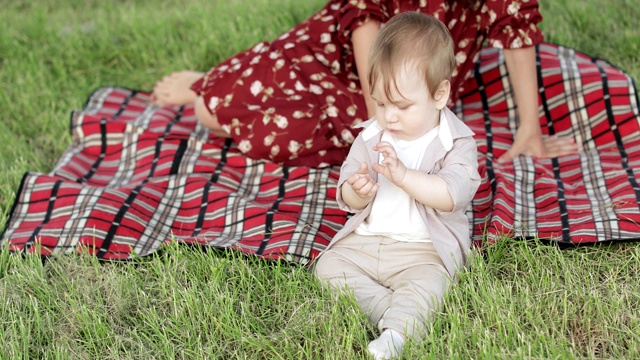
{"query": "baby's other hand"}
(390, 167)
(362, 183)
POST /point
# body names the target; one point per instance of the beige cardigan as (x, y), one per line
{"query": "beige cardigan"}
(458, 166)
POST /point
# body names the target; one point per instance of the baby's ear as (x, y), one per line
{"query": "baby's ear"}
(441, 95)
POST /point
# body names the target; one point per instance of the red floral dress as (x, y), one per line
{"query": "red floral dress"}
(296, 99)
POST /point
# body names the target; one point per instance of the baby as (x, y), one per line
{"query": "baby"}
(408, 179)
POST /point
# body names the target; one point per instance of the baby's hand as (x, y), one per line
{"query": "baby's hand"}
(362, 183)
(391, 167)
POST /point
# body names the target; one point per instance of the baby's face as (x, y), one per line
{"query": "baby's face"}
(411, 111)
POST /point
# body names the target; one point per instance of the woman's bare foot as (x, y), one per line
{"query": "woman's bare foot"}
(175, 89)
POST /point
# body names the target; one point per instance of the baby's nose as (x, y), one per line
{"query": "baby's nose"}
(391, 116)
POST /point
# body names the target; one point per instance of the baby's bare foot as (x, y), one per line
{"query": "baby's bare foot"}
(175, 89)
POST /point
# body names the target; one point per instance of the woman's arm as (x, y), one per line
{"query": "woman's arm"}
(521, 64)
(362, 39)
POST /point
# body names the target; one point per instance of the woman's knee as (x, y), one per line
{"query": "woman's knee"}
(207, 119)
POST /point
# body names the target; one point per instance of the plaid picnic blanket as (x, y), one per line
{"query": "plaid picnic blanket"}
(138, 176)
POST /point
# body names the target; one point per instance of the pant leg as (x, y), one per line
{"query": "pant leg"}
(418, 279)
(352, 265)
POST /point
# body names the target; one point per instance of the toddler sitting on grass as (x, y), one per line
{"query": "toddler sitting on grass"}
(409, 177)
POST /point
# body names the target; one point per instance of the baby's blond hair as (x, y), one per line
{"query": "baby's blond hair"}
(415, 39)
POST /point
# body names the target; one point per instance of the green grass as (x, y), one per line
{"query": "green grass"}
(521, 300)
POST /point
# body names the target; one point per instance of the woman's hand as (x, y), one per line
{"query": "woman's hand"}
(531, 143)
(362, 39)
(521, 64)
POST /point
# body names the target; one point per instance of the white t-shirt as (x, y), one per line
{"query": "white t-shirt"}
(394, 213)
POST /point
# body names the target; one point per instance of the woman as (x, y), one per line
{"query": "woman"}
(295, 100)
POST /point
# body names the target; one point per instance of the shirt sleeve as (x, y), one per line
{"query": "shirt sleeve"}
(351, 14)
(357, 155)
(460, 172)
(512, 24)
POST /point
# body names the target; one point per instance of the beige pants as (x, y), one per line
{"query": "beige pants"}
(400, 283)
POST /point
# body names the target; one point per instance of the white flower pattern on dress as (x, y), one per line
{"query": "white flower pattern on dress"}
(256, 87)
(268, 140)
(315, 89)
(281, 121)
(213, 103)
(293, 147)
(244, 146)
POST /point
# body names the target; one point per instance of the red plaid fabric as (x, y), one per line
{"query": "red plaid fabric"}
(138, 176)
(586, 198)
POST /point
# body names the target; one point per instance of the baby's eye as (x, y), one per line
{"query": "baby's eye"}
(380, 104)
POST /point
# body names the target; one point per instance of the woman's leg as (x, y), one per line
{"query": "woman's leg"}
(207, 119)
